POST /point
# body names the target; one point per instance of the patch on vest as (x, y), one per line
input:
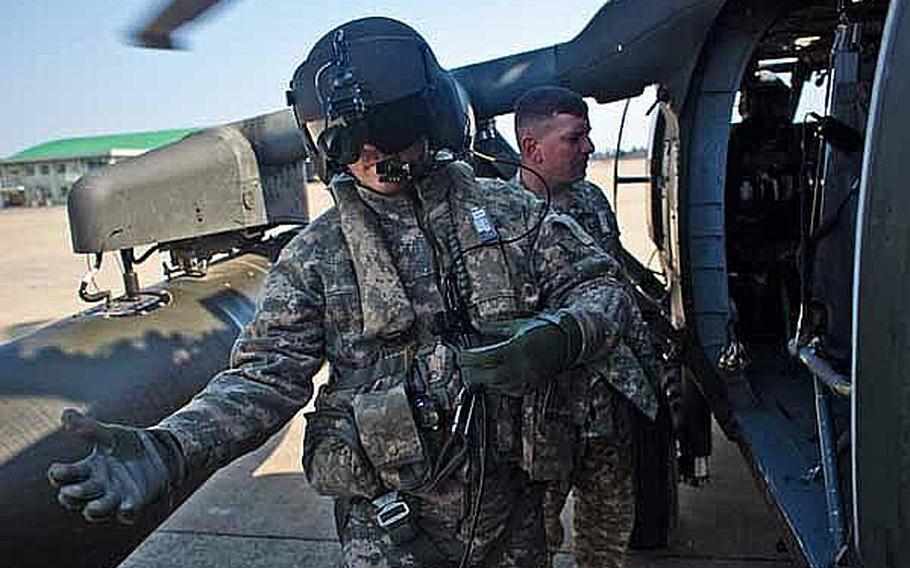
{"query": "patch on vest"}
(482, 225)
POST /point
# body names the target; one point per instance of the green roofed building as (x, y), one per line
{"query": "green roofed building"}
(44, 174)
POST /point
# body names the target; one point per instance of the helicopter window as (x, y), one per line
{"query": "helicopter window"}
(811, 97)
(505, 124)
(605, 119)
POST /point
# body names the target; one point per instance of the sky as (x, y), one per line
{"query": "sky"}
(67, 70)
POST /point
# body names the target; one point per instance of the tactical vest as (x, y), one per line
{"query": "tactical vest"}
(384, 415)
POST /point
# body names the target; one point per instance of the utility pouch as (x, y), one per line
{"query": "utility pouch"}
(507, 420)
(444, 383)
(333, 459)
(390, 439)
(548, 438)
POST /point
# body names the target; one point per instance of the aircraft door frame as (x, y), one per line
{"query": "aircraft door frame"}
(704, 124)
(663, 204)
(704, 138)
(881, 310)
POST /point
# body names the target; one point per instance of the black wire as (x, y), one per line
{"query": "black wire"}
(98, 296)
(478, 494)
(533, 229)
(455, 279)
(92, 297)
(442, 472)
(540, 218)
(453, 305)
(453, 299)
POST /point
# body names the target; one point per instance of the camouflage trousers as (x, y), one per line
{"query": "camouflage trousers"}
(604, 504)
(509, 533)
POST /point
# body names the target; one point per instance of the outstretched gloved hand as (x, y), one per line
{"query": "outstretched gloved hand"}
(533, 352)
(127, 470)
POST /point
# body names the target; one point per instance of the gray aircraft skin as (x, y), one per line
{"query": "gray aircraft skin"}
(817, 398)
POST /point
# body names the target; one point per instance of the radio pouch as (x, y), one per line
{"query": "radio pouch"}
(389, 437)
(333, 460)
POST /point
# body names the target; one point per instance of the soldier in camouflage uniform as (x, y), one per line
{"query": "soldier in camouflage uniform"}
(438, 300)
(552, 130)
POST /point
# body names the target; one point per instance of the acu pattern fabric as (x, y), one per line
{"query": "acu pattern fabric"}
(602, 475)
(632, 369)
(362, 287)
(589, 206)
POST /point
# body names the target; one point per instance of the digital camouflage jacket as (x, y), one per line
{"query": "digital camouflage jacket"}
(364, 287)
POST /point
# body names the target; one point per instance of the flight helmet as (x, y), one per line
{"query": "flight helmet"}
(376, 80)
(765, 96)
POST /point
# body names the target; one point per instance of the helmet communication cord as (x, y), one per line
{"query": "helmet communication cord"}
(453, 281)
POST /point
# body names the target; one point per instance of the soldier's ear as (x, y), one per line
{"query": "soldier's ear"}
(527, 144)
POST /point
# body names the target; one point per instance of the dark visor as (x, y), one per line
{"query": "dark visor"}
(387, 69)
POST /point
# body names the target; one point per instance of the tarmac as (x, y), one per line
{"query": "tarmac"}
(259, 512)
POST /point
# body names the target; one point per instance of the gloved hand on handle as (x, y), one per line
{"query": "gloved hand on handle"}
(533, 351)
(128, 469)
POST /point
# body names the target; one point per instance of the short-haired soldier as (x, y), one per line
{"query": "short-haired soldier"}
(552, 130)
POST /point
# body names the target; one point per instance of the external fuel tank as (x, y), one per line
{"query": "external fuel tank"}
(131, 369)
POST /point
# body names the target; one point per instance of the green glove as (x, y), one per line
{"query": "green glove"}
(128, 469)
(534, 351)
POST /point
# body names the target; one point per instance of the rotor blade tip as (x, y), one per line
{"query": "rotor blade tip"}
(151, 39)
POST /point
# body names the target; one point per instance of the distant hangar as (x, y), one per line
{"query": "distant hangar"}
(44, 174)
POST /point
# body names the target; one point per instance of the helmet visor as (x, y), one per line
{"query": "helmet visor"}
(386, 69)
(391, 128)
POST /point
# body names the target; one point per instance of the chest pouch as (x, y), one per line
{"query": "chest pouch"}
(390, 438)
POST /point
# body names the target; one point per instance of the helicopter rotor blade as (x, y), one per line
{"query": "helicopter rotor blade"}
(158, 31)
